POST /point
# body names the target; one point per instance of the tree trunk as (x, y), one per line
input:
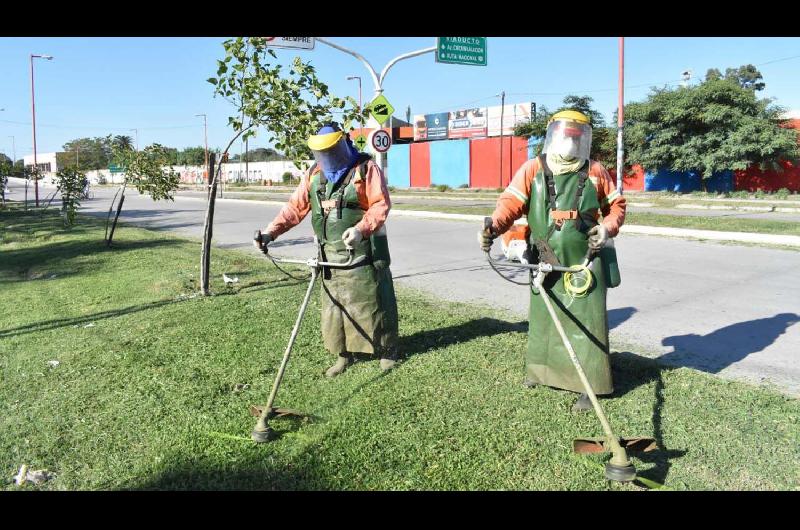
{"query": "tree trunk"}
(208, 228)
(119, 209)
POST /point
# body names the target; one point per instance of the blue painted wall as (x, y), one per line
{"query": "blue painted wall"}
(398, 166)
(686, 181)
(450, 162)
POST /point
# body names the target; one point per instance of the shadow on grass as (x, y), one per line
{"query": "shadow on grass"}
(76, 321)
(17, 262)
(432, 339)
(253, 469)
(631, 371)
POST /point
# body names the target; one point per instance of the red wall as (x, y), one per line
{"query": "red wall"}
(633, 181)
(752, 179)
(420, 165)
(484, 160)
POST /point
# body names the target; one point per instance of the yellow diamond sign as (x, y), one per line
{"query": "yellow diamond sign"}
(361, 141)
(380, 109)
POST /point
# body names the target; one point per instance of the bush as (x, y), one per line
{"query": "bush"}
(463, 186)
(782, 193)
(287, 178)
(443, 187)
(392, 188)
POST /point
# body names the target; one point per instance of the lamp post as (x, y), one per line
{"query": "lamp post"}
(136, 131)
(350, 78)
(377, 80)
(33, 122)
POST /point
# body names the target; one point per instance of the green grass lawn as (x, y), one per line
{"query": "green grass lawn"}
(145, 395)
(724, 224)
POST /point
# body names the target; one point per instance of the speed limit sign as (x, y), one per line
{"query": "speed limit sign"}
(380, 141)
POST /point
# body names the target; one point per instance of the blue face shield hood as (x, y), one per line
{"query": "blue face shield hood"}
(336, 161)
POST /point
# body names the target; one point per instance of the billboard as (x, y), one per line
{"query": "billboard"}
(431, 126)
(511, 116)
(467, 123)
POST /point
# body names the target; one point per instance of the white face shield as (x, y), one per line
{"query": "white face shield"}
(568, 139)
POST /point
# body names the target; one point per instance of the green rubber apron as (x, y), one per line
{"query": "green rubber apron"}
(584, 318)
(359, 308)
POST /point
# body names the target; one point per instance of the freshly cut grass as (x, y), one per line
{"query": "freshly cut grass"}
(145, 394)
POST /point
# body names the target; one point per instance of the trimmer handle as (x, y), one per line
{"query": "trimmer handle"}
(257, 237)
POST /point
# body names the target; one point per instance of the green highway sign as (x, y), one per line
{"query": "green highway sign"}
(113, 168)
(380, 109)
(361, 142)
(461, 50)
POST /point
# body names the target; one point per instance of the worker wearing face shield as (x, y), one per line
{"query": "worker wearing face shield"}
(346, 193)
(572, 210)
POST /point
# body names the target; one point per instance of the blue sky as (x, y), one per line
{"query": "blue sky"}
(97, 86)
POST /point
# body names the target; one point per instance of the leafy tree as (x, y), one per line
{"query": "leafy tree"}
(70, 183)
(287, 107)
(604, 146)
(148, 171)
(260, 154)
(714, 126)
(89, 153)
(192, 156)
(6, 169)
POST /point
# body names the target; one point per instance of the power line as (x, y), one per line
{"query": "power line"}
(71, 127)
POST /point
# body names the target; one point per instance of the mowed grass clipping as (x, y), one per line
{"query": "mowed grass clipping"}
(149, 389)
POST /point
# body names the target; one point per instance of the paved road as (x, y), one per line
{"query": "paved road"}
(723, 309)
(468, 202)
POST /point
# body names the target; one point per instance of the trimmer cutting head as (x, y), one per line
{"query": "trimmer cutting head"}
(599, 445)
(620, 473)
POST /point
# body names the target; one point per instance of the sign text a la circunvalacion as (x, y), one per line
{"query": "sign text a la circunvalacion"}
(461, 50)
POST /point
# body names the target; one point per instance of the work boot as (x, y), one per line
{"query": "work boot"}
(528, 383)
(583, 404)
(340, 366)
(387, 362)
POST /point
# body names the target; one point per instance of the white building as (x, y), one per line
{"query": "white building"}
(45, 161)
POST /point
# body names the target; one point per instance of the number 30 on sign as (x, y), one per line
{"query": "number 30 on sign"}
(381, 141)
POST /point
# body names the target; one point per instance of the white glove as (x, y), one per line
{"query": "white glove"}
(598, 236)
(352, 237)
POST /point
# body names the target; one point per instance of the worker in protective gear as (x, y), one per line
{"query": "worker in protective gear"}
(563, 193)
(346, 193)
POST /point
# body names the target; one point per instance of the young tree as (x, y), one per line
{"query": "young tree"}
(715, 126)
(148, 171)
(70, 183)
(288, 108)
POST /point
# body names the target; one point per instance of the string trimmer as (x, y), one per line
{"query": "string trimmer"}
(619, 468)
(263, 432)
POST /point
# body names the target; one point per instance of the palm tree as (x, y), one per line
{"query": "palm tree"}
(123, 142)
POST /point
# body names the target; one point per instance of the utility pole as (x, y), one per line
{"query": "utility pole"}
(502, 108)
(205, 136)
(620, 114)
(350, 78)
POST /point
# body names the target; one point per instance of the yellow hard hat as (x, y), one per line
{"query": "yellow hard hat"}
(572, 115)
(321, 142)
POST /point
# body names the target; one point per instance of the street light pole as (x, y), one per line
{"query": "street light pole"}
(350, 78)
(33, 122)
(377, 80)
(136, 131)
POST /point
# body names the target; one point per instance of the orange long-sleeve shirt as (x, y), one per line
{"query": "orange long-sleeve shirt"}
(373, 196)
(513, 202)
